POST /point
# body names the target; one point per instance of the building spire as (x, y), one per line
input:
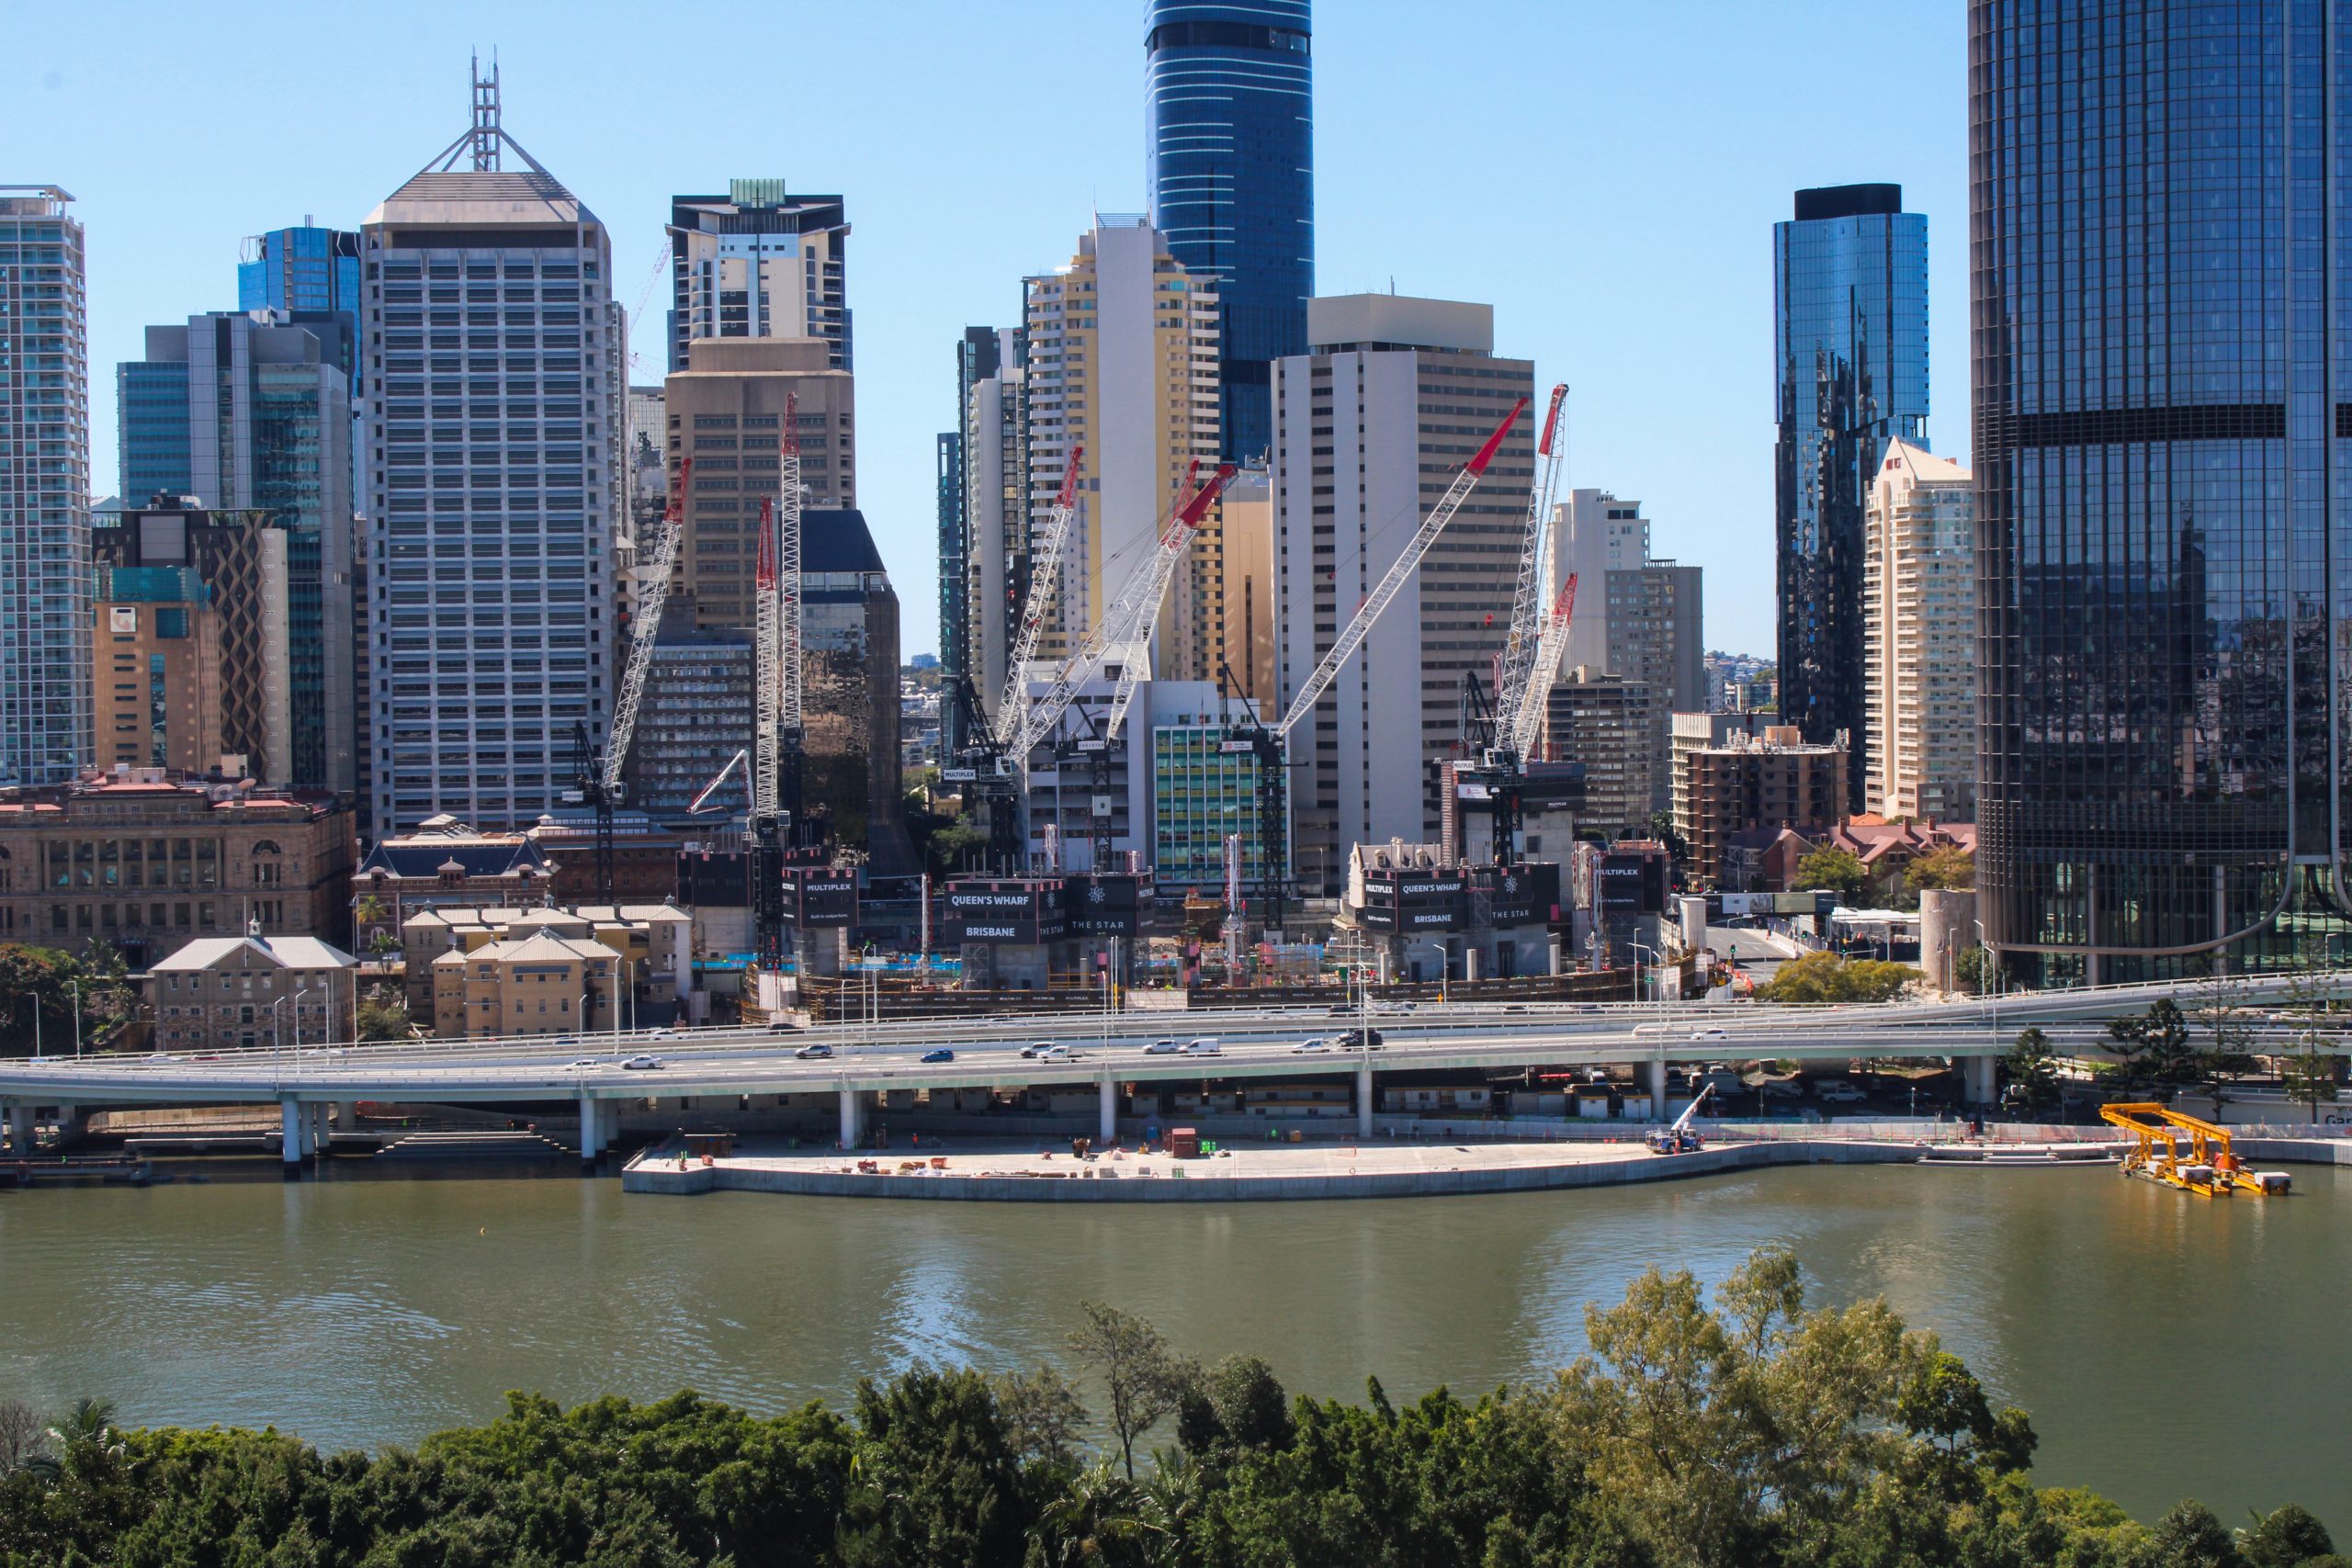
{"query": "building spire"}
(486, 135)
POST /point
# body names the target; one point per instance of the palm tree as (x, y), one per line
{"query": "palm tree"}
(87, 1421)
(1102, 1517)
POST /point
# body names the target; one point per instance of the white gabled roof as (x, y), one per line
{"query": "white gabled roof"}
(264, 951)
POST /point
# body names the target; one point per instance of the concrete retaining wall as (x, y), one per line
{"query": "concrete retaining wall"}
(651, 1175)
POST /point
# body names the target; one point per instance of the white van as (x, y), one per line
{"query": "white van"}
(1202, 1047)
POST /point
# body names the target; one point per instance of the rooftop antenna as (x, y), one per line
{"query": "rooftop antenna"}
(486, 135)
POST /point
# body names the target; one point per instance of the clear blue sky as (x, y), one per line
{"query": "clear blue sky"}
(1605, 175)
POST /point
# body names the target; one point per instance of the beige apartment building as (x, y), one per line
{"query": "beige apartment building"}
(654, 942)
(157, 692)
(239, 993)
(1123, 360)
(1732, 774)
(726, 411)
(1919, 636)
(540, 984)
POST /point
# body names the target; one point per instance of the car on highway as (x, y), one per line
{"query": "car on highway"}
(1353, 1039)
(1037, 1048)
(660, 1034)
(1202, 1047)
(583, 1062)
(1304, 1046)
(1056, 1053)
(783, 1026)
(1708, 1033)
(1160, 1048)
(161, 1057)
(642, 1063)
(818, 1052)
(1839, 1091)
(942, 1055)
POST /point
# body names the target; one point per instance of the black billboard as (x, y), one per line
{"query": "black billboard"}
(816, 895)
(1021, 913)
(1112, 904)
(1410, 901)
(1522, 895)
(1632, 883)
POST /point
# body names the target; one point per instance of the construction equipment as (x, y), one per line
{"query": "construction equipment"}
(2212, 1168)
(776, 731)
(597, 776)
(1268, 744)
(1520, 647)
(1679, 1138)
(1044, 582)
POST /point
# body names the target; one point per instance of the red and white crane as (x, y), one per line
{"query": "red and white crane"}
(1045, 584)
(1529, 612)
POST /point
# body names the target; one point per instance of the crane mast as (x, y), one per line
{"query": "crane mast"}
(1044, 583)
(1521, 650)
(1526, 722)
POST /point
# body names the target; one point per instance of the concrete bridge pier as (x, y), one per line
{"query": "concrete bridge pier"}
(293, 1134)
(852, 1119)
(316, 1138)
(1978, 1076)
(20, 1129)
(1658, 1087)
(73, 1125)
(1110, 1118)
(591, 1128)
(346, 1119)
(1365, 1102)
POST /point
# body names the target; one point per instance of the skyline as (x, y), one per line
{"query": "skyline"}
(1640, 275)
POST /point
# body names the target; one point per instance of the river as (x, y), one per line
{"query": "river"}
(2166, 1345)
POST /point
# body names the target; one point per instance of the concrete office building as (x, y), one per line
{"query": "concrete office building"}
(1919, 609)
(251, 411)
(242, 993)
(1637, 617)
(756, 263)
(1607, 723)
(1850, 340)
(495, 483)
(1370, 427)
(243, 561)
(1247, 651)
(1229, 155)
(1122, 359)
(45, 705)
(157, 687)
(694, 715)
(995, 455)
(979, 355)
(1732, 777)
(726, 411)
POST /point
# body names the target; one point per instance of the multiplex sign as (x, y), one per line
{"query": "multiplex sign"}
(817, 895)
(1018, 913)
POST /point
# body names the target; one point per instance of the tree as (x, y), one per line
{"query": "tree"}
(2225, 1052)
(1045, 1413)
(1974, 970)
(1839, 871)
(2032, 1071)
(36, 978)
(2288, 1536)
(383, 1014)
(2309, 1072)
(1946, 866)
(1826, 978)
(1239, 1405)
(1145, 1378)
(953, 847)
(24, 1440)
(2152, 1050)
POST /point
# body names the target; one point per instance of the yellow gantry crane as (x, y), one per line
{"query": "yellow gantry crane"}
(2212, 1169)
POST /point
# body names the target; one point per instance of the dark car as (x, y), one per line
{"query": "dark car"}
(942, 1055)
(781, 1026)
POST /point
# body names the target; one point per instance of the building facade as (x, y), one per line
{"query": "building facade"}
(243, 993)
(495, 483)
(157, 685)
(146, 860)
(45, 706)
(1122, 348)
(243, 561)
(2160, 429)
(1229, 150)
(694, 717)
(305, 273)
(1246, 659)
(726, 411)
(1608, 723)
(758, 262)
(1849, 339)
(1370, 429)
(1637, 617)
(264, 425)
(978, 357)
(996, 511)
(1919, 606)
(1730, 779)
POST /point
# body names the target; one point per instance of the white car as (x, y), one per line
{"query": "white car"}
(1838, 1091)
(1160, 1048)
(1037, 1048)
(1203, 1048)
(1054, 1053)
(661, 1034)
(1708, 1033)
(586, 1062)
(1782, 1088)
(642, 1065)
(1304, 1046)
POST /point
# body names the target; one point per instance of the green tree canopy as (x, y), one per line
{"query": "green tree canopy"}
(1839, 871)
(1826, 978)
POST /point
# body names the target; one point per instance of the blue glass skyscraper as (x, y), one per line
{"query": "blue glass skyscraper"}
(309, 273)
(1850, 341)
(1229, 145)
(2161, 367)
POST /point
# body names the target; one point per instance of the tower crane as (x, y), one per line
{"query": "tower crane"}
(1270, 744)
(776, 729)
(1044, 582)
(598, 776)
(1521, 650)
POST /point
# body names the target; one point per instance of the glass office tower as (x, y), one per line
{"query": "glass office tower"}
(1850, 340)
(1229, 145)
(2163, 390)
(308, 273)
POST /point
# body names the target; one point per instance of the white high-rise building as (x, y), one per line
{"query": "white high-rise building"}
(996, 502)
(1370, 426)
(1637, 617)
(1919, 636)
(495, 484)
(45, 606)
(758, 262)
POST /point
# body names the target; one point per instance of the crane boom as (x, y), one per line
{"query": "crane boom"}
(787, 570)
(1527, 721)
(653, 591)
(1519, 649)
(767, 677)
(1130, 616)
(1393, 582)
(1044, 582)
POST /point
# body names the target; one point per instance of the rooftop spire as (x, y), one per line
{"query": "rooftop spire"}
(486, 135)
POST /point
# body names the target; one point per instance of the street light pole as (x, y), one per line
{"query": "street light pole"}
(77, 1018)
(298, 1019)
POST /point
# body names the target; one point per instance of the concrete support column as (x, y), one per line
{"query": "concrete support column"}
(608, 1123)
(1658, 1088)
(315, 1137)
(591, 1128)
(20, 1129)
(1110, 1118)
(72, 1124)
(852, 1119)
(346, 1119)
(292, 1122)
(1978, 1078)
(1365, 1102)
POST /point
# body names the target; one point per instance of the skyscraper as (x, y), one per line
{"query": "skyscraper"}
(1637, 618)
(758, 262)
(996, 511)
(495, 482)
(2161, 422)
(978, 356)
(1357, 464)
(45, 602)
(307, 273)
(248, 412)
(1229, 150)
(1849, 339)
(1919, 602)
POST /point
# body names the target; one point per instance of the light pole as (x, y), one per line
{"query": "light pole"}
(298, 1019)
(277, 1030)
(1656, 962)
(77, 1018)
